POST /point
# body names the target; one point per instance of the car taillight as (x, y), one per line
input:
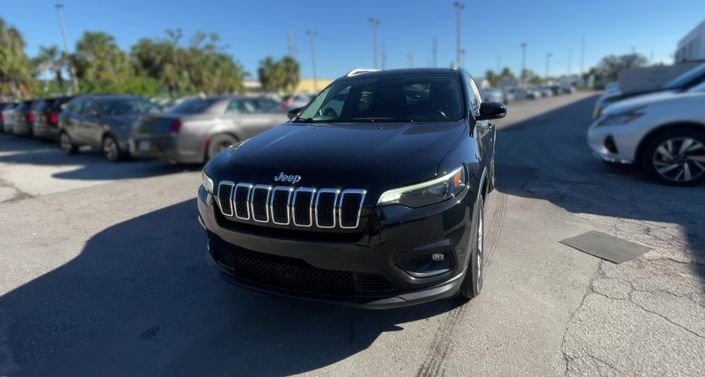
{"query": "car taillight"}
(2, 118)
(175, 126)
(30, 117)
(53, 118)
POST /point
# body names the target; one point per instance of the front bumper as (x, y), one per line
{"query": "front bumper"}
(616, 144)
(392, 235)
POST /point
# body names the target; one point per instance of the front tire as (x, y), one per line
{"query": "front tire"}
(676, 157)
(111, 149)
(472, 283)
(66, 144)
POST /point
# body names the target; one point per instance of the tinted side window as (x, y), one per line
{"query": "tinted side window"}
(89, 108)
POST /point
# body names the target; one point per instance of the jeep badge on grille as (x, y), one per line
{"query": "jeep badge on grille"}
(287, 178)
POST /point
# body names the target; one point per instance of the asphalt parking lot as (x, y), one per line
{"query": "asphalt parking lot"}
(104, 273)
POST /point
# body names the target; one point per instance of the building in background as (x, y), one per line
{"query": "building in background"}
(692, 46)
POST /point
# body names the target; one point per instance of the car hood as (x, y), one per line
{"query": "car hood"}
(639, 101)
(371, 156)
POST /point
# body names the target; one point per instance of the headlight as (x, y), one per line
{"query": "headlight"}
(621, 118)
(207, 182)
(426, 193)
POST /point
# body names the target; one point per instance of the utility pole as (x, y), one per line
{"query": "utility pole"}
(384, 58)
(312, 35)
(458, 7)
(74, 79)
(290, 44)
(375, 25)
(523, 63)
(435, 53)
(548, 59)
(499, 64)
(570, 60)
(462, 57)
(410, 56)
(582, 55)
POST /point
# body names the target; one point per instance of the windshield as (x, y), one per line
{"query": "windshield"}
(123, 106)
(691, 78)
(193, 106)
(700, 88)
(398, 98)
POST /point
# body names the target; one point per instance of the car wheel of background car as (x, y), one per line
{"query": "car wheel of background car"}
(472, 283)
(111, 149)
(66, 144)
(676, 157)
(218, 143)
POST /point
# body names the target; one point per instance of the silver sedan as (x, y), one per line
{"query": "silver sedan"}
(197, 129)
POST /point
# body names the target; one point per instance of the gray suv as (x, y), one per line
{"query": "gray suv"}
(101, 121)
(197, 129)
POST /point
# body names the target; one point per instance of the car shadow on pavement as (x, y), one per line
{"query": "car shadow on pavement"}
(87, 165)
(547, 157)
(140, 299)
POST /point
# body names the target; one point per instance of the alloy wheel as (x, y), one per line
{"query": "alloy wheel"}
(110, 149)
(680, 159)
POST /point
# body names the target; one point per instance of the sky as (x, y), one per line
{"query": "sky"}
(490, 30)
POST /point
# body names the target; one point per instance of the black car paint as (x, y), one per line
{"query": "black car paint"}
(374, 157)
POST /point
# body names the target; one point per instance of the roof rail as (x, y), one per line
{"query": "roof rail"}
(359, 71)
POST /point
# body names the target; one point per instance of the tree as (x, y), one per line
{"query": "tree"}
(15, 72)
(608, 69)
(491, 77)
(100, 62)
(51, 59)
(278, 75)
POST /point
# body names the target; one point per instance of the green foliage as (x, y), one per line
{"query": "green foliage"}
(279, 75)
(15, 72)
(609, 67)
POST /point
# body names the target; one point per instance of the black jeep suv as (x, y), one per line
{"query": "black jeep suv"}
(372, 195)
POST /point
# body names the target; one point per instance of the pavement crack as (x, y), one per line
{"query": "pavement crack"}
(631, 300)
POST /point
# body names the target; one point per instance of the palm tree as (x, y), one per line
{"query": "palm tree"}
(51, 59)
(15, 75)
(291, 71)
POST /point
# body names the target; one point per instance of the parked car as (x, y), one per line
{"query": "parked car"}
(100, 121)
(197, 129)
(293, 101)
(24, 117)
(5, 109)
(662, 133)
(372, 195)
(46, 120)
(524, 93)
(545, 91)
(8, 116)
(492, 95)
(681, 83)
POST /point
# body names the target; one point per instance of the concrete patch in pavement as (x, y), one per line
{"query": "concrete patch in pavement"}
(604, 246)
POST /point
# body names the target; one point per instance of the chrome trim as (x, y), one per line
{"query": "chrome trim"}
(231, 184)
(266, 200)
(310, 206)
(335, 205)
(362, 193)
(288, 203)
(247, 200)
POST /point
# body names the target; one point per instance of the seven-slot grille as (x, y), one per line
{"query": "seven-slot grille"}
(284, 205)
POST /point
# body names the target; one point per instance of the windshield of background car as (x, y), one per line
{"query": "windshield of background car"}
(123, 106)
(193, 106)
(389, 98)
(691, 78)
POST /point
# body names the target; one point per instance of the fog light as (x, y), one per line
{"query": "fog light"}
(438, 257)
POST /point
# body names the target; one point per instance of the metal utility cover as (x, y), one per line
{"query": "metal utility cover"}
(604, 246)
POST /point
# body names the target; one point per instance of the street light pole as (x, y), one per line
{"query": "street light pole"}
(548, 59)
(458, 7)
(312, 35)
(523, 63)
(74, 79)
(375, 24)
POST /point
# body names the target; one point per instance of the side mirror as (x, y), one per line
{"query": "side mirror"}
(492, 110)
(293, 113)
